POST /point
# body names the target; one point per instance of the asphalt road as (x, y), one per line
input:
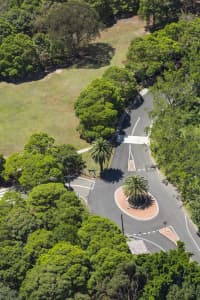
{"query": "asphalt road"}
(171, 213)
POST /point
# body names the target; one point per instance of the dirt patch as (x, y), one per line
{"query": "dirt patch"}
(144, 214)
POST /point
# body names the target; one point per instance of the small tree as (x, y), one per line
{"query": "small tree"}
(136, 188)
(101, 152)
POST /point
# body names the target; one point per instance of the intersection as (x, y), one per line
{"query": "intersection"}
(135, 159)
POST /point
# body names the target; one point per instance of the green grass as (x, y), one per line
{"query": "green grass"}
(47, 104)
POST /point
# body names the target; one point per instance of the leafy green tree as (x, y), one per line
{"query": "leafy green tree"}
(101, 152)
(20, 20)
(148, 56)
(58, 274)
(12, 265)
(18, 58)
(13, 167)
(124, 80)
(2, 166)
(72, 162)
(157, 12)
(54, 206)
(98, 108)
(74, 23)
(39, 143)
(5, 29)
(104, 264)
(136, 188)
(7, 294)
(38, 169)
(39, 242)
(125, 282)
(97, 233)
(19, 223)
(165, 269)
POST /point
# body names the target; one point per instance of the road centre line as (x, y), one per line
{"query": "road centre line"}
(134, 127)
(130, 154)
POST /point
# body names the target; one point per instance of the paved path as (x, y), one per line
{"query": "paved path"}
(171, 213)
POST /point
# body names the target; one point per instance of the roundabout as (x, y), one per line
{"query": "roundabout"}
(141, 214)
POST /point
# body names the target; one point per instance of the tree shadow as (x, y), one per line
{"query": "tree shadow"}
(95, 55)
(112, 175)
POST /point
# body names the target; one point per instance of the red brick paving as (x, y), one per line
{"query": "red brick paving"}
(145, 214)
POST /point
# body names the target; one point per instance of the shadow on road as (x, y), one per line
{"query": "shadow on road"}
(112, 175)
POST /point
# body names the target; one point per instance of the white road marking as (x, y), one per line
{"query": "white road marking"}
(134, 127)
(153, 243)
(86, 179)
(186, 223)
(144, 92)
(81, 186)
(136, 140)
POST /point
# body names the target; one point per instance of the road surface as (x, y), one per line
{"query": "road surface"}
(171, 213)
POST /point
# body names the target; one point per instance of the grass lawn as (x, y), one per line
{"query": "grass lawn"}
(47, 104)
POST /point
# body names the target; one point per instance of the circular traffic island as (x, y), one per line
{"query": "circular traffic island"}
(143, 212)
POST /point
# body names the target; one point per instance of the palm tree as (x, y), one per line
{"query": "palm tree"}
(101, 152)
(136, 188)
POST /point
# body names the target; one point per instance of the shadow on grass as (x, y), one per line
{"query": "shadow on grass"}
(112, 175)
(95, 55)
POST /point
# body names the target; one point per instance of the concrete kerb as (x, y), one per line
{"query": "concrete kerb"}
(131, 215)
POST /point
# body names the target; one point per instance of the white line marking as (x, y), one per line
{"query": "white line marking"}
(86, 179)
(81, 186)
(186, 223)
(134, 127)
(153, 243)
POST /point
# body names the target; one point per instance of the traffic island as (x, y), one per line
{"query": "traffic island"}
(140, 214)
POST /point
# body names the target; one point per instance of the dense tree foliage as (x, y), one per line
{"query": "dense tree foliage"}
(101, 104)
(176, 109)
(39, 35)
(98, 108)
(157, 13)
(42, 161)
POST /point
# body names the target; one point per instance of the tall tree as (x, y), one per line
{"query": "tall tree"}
(73, 23)
(136, 188)
(101, 152)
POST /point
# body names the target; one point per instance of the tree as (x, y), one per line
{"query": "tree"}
(98, 108)
(39, 143)
(136, 188)
(54, 206)
(12, 265)
(159, 12)
(5, 29)
(124, 80)
(7, 294)
(13, 168)
(97, 233)
(72, 162)
(18, 58)
(2, 167)
(101, 152)
(39, 242)
(38, 169)
(73, 23)
(58, 274)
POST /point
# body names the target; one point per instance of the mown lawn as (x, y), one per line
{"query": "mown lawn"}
(47, 104)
